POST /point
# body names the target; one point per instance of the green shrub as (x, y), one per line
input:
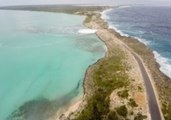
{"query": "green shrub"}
(166, 111)
(123, 94)
(139, 116)
(132, 103)
(97, 107)
(122, 111)
(105, 79)
(112, 116)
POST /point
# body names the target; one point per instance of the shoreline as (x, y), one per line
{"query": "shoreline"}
(91, 67)
(141, 40)
(152, 68)
(106, 26)
(87, 84)
(144, 62)
(77, 104)
(160, 82)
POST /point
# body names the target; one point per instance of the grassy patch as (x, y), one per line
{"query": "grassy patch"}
(106, 78)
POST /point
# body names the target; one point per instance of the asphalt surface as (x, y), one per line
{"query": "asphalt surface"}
(152, 102)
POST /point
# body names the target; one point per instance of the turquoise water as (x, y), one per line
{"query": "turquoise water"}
(42, 58)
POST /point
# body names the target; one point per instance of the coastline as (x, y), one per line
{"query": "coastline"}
(104, 25)
(88, 82)
(126, 40)
(160, 82)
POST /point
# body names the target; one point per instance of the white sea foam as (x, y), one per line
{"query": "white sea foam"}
(165, 64)
(105, 17)
(87, 31)
(104, 14)
(114, 27)
(142, 40)
(117, 30)
(126, 35)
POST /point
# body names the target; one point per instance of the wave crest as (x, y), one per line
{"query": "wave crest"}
(104, 14)
(87, 31)
(165, 64)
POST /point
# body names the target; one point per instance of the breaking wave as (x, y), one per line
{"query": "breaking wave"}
(87, 31)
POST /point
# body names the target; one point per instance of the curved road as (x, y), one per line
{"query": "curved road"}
(152, 102)
(153, 105)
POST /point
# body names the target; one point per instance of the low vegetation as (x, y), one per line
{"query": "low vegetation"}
(162, 82)
(165, 109)
(122, 111)
(109, 74)
(112, 116)
(139, 116)
(132, 103)
(123, 94)
(106, 79)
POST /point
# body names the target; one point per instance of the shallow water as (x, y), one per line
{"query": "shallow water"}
(43, 59)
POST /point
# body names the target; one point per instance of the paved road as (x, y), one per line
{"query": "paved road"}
(153, 105)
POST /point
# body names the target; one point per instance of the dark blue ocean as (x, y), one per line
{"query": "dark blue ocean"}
(150, 25)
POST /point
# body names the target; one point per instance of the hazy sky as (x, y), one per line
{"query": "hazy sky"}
(26, 2)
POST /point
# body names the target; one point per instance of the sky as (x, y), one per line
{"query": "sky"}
(106, 2)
